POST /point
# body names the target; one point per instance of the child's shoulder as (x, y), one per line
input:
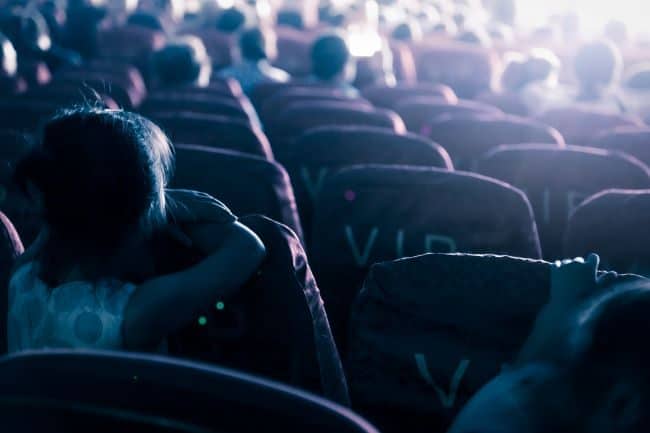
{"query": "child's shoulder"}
(189, 206)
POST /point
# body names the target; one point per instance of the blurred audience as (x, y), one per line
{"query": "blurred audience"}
(182, 62)
(257, 49)
(598, 67)
(332, 65)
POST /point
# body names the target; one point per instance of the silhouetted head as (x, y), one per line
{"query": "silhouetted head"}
(146, 20)
(609, 365)
(257, 44)
(330, 58)
(291, 18)
(616, 31)
(231, 20)
(598, 66)
(98, 176)
(407, 31)
(183, 61)
(167, 10)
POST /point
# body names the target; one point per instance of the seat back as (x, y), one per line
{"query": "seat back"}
(323, 151)
(131, 44)
(429, 331)
(391, 96)
(580, 126)
(558, 180)
(281, 100)
(467, 138)
(419, 111)
(367, 214)
(161, 102)
(510, 103)
(279, 312)
(634, 141)
(214, 131)
(219, 46)
(247, 184)
(300, 117)
(152, 393)
(468, 70)
(613, 224)
(25, 116)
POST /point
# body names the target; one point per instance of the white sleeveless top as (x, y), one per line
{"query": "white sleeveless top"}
(77, 314)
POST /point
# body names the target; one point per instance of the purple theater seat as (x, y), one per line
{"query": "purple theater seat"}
(10, 248)
(278, 313)
(614, 224)
(631, 140)
(510, 103)
(367, 214)
(580, 126)
(418, 111)
(247, 184)
(165, 102)
(24, 115)
(128, 93)
(468, 137)
(219, 46)
(468, 70)
(68, 94)
(273, 106)
(263, 91)
(322, 151)
(91, 391)
(301, 116)
(558, 180)
(215, 131)
(131, 44)
(391, 97)
(429, 331)
(226, 86)
(294, 51)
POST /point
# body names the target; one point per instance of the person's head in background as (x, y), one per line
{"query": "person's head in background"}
(119, 10)
(500, 34)
(617, 32)
(182, 62)
(146, 20)
(88, 210)
(543, 65)
(170, 12)
(231, 20)
(513, 78)
(331, 61)
(291, 18)
(638, 78)
(257, 44)
(475, 37)
(444, 27)
(598, 67)
(608, 365)
(408, 31)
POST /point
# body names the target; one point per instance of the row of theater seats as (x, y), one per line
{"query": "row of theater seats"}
(316, 131)
(425, 334)
(363, 180)
(78, 392)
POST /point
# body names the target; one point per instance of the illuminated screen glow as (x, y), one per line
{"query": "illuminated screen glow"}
(594, 14)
